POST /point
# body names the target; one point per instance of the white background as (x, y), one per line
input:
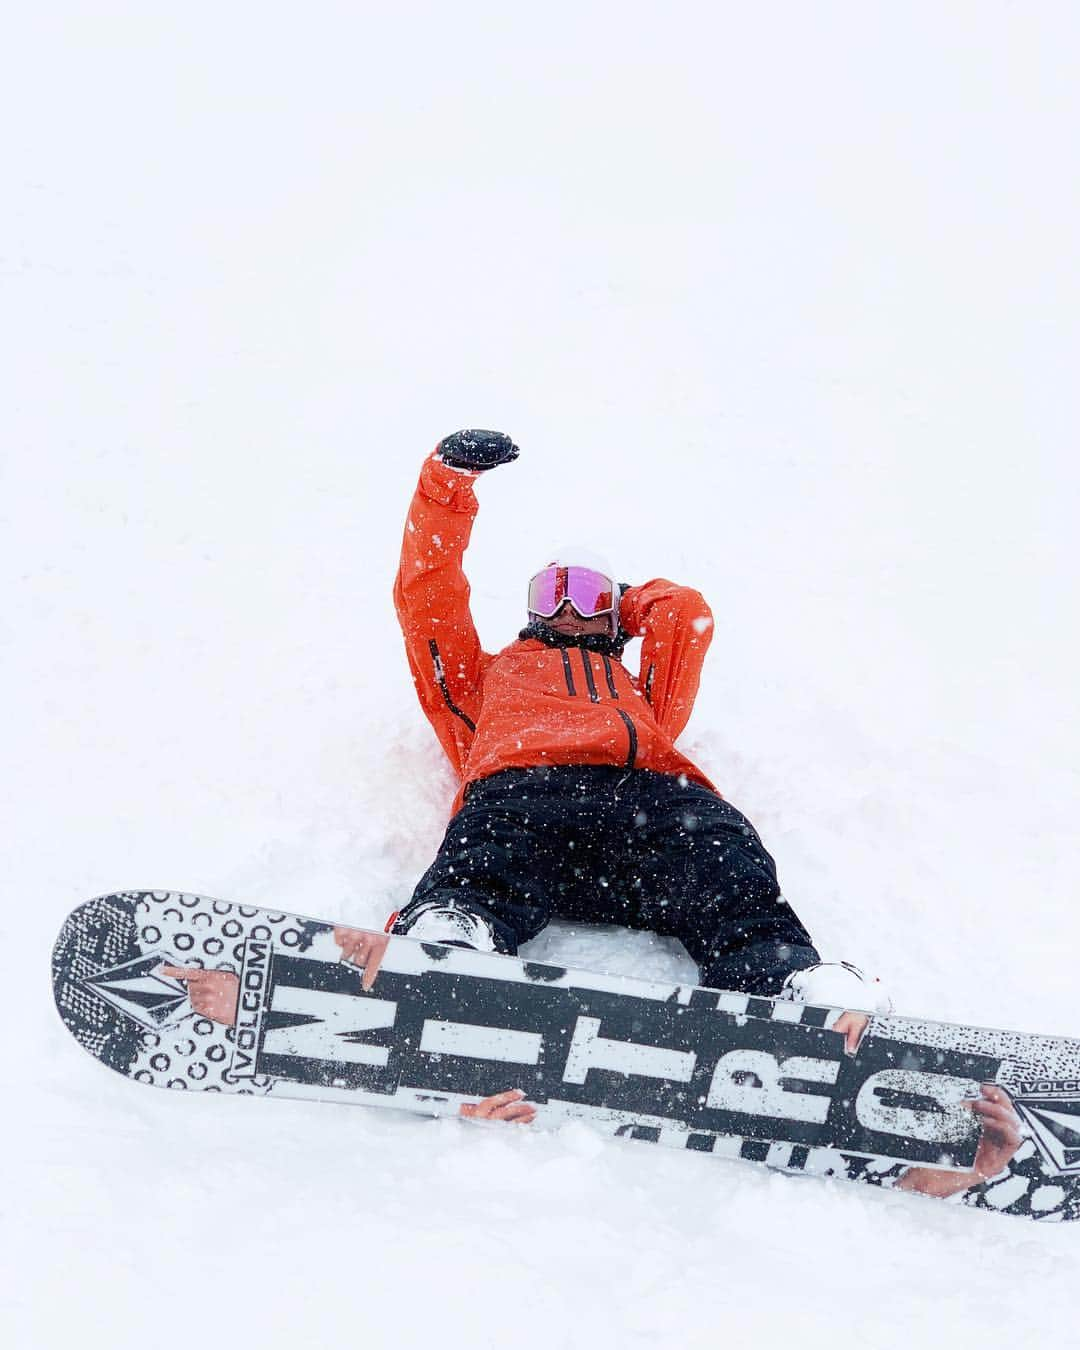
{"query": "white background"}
(779, 301)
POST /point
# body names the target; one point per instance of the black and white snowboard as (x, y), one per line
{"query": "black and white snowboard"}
(723, 1073)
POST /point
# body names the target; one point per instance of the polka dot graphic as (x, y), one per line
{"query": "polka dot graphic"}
(186, 930)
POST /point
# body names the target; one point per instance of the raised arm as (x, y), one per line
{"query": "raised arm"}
(677, 626)
(431, 593)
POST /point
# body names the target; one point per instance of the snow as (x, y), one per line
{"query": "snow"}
(779, 301)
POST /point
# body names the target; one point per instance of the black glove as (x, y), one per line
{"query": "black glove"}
(477, 450)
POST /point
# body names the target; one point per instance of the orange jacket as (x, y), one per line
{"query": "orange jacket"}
(532, 704)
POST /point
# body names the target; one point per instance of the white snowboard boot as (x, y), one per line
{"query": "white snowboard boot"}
(837, 984)
(453, 927)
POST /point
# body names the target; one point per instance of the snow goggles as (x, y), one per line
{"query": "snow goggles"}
(591, 593)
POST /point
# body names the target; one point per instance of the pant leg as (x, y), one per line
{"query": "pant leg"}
(520, 849)
(702, 874)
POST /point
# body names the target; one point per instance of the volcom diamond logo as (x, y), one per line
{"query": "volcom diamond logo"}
(135, 988)
(1052, 1114)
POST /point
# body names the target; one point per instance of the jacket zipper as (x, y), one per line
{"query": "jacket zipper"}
(440, 680)
(594, 697)
(567, 672)
(632, 732)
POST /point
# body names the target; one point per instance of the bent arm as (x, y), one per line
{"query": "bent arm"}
(677, 626)
(431, 596)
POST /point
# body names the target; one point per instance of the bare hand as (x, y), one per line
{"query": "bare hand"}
(1000, 1139)
(852, 1026)
(503, 1106)
(212, 993)
(359, 948)
(1000, 1131)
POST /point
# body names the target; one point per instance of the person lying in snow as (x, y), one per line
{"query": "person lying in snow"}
(574, 801)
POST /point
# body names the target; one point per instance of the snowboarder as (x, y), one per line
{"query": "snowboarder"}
(574, 800)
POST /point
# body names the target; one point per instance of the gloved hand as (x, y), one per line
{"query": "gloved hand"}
(477, 450)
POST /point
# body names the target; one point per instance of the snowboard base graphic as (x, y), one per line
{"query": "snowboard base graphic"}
(725, 1073)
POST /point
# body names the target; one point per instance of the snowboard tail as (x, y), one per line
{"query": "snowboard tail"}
(720, 1072)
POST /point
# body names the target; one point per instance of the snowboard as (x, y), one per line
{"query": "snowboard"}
(718, 1072)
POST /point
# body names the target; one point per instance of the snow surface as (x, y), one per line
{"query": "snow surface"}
(780, 301)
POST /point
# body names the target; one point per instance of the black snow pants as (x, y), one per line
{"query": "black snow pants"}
(641, 849)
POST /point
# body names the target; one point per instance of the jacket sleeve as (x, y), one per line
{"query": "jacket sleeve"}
(431, 596)
(677, 627)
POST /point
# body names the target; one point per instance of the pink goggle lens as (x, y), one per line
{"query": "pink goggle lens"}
(591, 593)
